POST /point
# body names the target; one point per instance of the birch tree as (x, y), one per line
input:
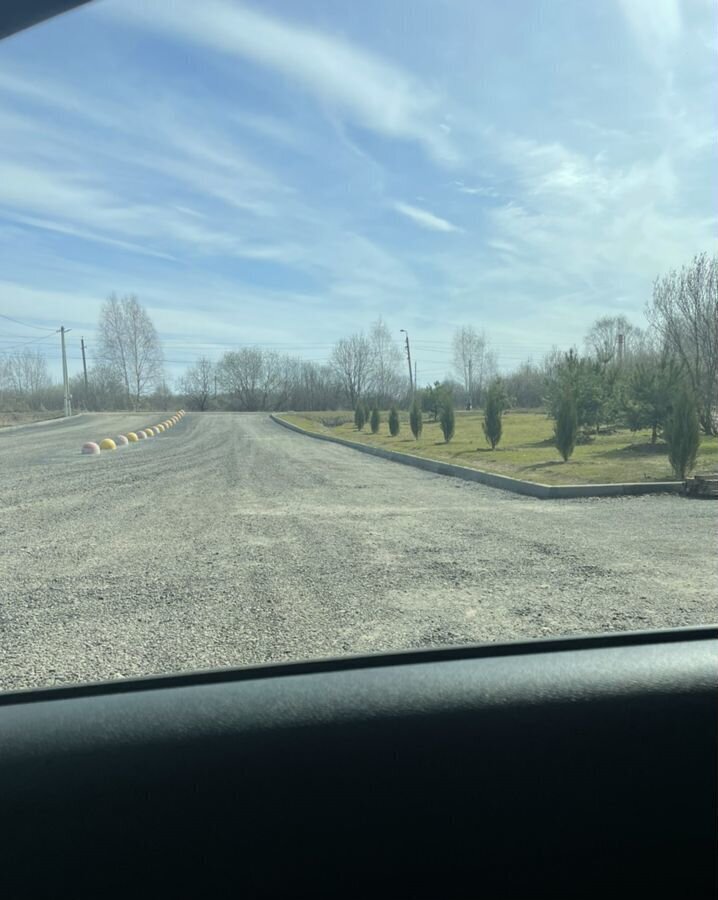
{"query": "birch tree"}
(130, 345)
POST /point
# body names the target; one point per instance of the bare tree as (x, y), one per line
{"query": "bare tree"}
(525, 386)
(27, 375)
(474, 362)
(252, 377)
(282, 373)
(684, 312)
(351, 359)
(603, 338)
(239, 374)
(197, 383)
(276, 371)
(129, 343)
(106, 389)
(385, 382)
(552, 362)
(162, 397)
(316, 387)
(5, 386)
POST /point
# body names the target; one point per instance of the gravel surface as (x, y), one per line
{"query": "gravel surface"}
(230, 540)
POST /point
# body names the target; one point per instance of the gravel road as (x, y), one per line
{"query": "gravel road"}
(230, 540)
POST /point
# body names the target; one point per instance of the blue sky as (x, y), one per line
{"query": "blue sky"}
(284, 173)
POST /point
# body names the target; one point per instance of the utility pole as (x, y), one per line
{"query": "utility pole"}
(471, 384)
(415, 382)
(412, 385)
(65, 379)
(621, 341)
(215, 387)
(84, 370)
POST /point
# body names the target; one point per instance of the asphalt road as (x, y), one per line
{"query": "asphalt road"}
(230, 540)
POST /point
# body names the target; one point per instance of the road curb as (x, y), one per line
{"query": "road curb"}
(55, 420)
(491, 479)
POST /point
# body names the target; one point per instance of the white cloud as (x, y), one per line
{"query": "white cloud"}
(205, 193)
(554, 177)
(187, 141)
(477, 191)
(38, 90)
(589, 226)
(272, 128)
(424, 218)
(551, 168)
(49, 305)
(501, 246)
(371, 91)
(87, 235)
(656, 26)
(61, 201)
(474, 191)
(581, 212)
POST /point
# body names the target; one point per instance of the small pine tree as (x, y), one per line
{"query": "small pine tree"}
(374, 420)
(393, 422)
(447, 420)
(359, 417)
(683, 434)
(566, 426)
(415, 419)
(495, 402)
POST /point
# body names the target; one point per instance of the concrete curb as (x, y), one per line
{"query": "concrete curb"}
(491, 479)
(55, 420)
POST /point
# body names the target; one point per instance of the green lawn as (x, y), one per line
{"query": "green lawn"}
(526, 450)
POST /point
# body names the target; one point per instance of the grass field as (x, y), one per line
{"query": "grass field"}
(526, 449)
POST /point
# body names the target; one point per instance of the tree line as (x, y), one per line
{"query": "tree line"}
(664, 379)
(624, 374)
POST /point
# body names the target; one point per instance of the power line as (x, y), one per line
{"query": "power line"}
(27, 324)
(293, 344)
(16, 337)
(31, 341)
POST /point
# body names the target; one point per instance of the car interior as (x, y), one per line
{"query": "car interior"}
(574, 767)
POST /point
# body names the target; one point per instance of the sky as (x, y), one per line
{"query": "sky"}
(282, 174)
